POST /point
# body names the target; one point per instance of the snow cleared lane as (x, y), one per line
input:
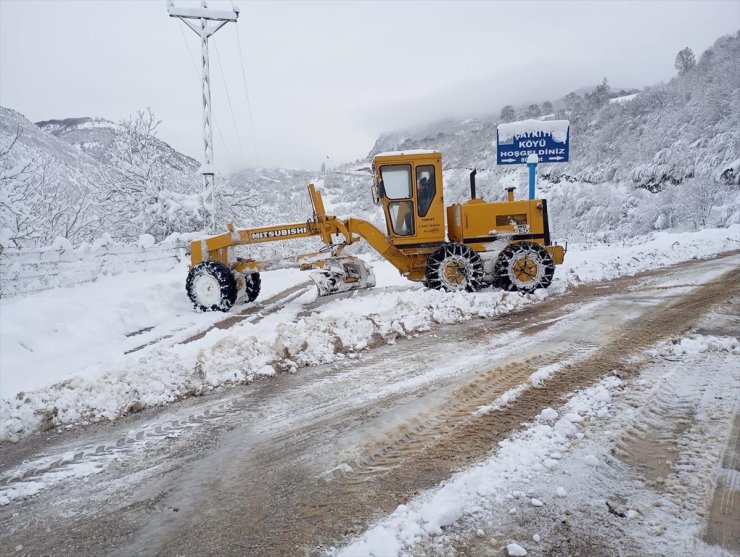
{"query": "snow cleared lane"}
(289, 460)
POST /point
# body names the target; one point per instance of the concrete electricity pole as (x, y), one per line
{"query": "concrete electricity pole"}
(200, 21)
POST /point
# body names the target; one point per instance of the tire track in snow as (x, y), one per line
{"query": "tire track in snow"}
(723, 524)
(277, 509)
(425, 430)
(251, 314)
(475, 437)
(44, 472)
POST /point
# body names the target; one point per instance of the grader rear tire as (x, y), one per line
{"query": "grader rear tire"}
(211, 286)
(454, 267)
(524, 267)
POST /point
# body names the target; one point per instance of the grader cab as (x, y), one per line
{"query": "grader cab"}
(505, 244)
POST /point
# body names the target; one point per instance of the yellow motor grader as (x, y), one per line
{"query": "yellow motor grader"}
(505, 244)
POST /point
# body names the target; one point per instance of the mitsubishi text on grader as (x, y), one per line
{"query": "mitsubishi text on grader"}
(505, 244)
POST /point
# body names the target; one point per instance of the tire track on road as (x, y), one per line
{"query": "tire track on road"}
(473, 438)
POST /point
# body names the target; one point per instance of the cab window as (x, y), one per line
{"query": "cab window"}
(402, 217)
(396, 181)
(426, 188)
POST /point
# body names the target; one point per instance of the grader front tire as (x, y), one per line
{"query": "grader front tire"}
(454, 267)
(524, 267)
(211, 286)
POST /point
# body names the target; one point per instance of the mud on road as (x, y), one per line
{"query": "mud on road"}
(294, 465)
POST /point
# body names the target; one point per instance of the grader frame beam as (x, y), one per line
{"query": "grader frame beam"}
(218, 247)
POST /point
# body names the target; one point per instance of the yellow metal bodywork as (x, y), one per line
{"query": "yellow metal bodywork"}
(484, 226)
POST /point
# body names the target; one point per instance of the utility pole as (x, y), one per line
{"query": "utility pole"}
(200, 21)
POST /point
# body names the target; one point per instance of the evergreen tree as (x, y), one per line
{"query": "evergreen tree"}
(533, 110)
(685, 61)
(570, 100)
(508, 114)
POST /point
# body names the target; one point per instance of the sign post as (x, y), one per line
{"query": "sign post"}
(532, 161)
(531, 142)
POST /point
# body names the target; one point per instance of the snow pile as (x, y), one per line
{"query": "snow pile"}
(600, 262)
(122, 348)
(172, 371)
(517, 459)
(558, 129)
(355, 323)
(698, 344)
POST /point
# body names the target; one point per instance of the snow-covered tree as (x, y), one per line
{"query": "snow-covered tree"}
(547, 107)
(699, 196)
(685, 61)
(600, 95)
(571, 99)
(33, 208)
(137, 186)
(508, 114)
(533, 111)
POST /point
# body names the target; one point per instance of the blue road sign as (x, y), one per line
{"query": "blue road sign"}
(548, 139)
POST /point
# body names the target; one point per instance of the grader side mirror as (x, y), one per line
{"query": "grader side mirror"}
(378, 191)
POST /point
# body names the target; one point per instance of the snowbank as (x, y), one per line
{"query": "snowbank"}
(104, 349)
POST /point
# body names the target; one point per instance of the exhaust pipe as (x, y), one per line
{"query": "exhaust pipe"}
(472, 183)
(510, 193)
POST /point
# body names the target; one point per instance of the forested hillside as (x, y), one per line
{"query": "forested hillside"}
(666, 157)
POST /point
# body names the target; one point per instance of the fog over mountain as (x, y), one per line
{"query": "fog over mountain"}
(666, 156)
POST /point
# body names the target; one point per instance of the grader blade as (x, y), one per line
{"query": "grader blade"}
(342, 275)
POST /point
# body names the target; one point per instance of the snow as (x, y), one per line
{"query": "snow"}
(557, 128)
(407, 152)
(660, 522)
(515, 550)
(52, 336)
(623, 99)
(698, 344)
(548, 415)
(469, 490)
(63, 352)
(209, 13)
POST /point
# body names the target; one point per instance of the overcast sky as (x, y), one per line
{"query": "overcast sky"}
(325, 78)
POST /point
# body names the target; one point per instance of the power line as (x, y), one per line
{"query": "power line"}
(228, 98)
(246, 93)
(215, 120)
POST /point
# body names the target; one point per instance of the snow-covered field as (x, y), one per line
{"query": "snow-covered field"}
(108, 348)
